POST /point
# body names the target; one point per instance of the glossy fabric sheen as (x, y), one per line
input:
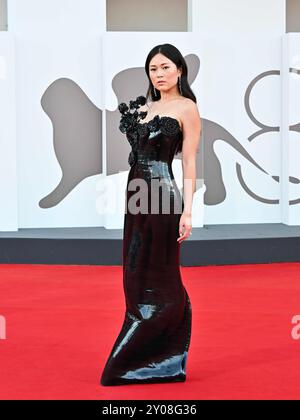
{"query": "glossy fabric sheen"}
(153, 343)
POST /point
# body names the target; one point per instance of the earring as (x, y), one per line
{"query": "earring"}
(155, 93)
(179, 82)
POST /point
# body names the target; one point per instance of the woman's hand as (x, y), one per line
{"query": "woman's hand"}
(185, 227)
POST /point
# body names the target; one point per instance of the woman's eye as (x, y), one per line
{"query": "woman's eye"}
(166, 67)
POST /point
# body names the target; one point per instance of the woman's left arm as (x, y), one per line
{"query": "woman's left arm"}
(191, 124)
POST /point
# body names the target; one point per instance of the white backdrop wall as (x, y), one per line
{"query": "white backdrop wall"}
(242, 97)
(290, 176)
(238, 18)
(62, 40)
(54, 39)
(8, 152)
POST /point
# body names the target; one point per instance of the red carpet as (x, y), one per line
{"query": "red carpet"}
(61, 322)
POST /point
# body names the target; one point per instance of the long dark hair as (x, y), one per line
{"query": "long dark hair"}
(173, 54)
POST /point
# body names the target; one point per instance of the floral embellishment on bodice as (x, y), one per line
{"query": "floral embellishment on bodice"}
(130, 120)
(131, 125)
(167, 125)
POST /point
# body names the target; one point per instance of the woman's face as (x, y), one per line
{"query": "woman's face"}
(164, 70)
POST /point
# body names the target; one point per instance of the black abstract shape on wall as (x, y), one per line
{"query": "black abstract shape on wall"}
(77, 141)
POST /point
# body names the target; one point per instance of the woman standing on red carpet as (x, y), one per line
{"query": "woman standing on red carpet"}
(153, 343)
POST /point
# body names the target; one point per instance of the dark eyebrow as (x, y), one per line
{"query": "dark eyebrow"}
(162, 64)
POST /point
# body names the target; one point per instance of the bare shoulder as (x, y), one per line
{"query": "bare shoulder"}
(189, 105)
(189, 110)
(190, 116)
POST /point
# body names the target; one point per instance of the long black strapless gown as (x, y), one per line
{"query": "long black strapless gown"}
(153, 343)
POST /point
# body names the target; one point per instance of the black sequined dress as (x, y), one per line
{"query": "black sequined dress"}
(153, 343)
